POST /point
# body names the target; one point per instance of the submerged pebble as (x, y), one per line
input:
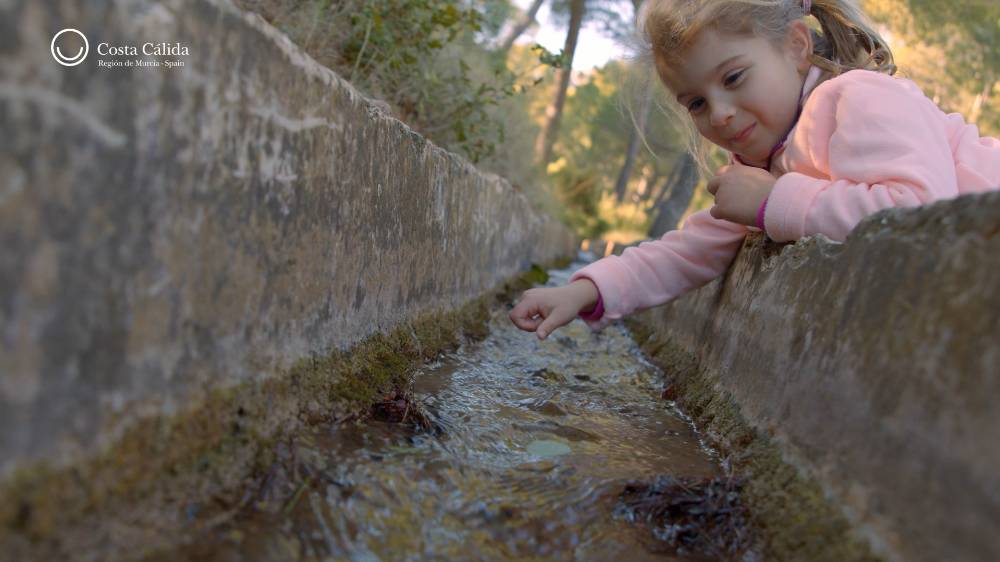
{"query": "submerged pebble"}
(548, 448)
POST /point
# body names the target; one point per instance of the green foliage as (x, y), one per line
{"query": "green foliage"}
(547, 57)
(393, 48)
(426, 59)
(514, 158)
(970, 28)
(951, 49)
(598, 122)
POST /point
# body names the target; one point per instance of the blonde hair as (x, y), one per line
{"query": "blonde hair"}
(847, 39)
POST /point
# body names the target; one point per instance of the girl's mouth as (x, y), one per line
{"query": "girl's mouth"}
(743, 134)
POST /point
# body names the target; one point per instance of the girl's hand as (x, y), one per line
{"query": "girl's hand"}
(739, 191)
(542, 310)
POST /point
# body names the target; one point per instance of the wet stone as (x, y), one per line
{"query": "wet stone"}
(548, 375)
(549, 409)
(548, 448)
(560, 430)
(566, 342)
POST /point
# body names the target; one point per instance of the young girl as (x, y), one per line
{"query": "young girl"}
(820, 133)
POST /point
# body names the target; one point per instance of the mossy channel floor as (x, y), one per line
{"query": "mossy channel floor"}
(519, 449)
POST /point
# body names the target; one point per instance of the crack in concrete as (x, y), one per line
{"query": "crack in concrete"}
(53, 99)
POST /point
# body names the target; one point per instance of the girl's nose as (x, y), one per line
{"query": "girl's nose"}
(721, 113)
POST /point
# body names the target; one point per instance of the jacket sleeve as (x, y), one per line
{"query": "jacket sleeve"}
(657, 271)
(880, 142)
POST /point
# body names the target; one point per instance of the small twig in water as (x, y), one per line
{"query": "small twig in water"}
(298, 495)
(343, 419)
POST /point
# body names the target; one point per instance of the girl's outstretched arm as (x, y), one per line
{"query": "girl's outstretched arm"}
(865, 142)
(658, 271)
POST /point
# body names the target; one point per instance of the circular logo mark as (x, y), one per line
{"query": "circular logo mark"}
(79, 43)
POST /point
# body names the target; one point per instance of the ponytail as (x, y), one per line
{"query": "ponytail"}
(849, 40)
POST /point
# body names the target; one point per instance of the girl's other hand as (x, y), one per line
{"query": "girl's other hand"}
(542, 310)
(739, 191)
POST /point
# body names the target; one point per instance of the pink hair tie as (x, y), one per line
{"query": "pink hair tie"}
(760, 214)
(807, 6)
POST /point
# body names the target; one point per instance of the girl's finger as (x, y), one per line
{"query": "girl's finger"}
(527, 324)
(713, 185)
(526, 317)
(559, 317)
(531, 324)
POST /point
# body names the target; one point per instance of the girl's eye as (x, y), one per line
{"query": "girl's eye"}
(731, 80)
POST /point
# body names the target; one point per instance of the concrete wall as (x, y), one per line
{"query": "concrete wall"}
(875, 364)
(166, 232)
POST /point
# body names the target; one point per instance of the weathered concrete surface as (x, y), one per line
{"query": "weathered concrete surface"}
(167, 232)
(874, 364)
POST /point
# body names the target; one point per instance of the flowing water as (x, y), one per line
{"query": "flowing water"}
(533, 443)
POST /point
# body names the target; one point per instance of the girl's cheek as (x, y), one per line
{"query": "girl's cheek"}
(703, 128)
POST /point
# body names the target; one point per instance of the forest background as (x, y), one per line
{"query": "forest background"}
(467, 75)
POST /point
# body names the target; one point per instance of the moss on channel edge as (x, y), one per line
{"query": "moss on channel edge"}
(796, 519)
(208, 453)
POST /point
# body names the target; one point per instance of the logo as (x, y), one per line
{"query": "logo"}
(75, 40)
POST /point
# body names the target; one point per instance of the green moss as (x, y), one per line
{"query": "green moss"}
(208, 451)
(537, 275)
(796, 520)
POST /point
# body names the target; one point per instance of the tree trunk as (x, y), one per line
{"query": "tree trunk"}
(647, 193)
(638, 129)
(522, 26)
(670, 211)
(672, 179)
(553, 113)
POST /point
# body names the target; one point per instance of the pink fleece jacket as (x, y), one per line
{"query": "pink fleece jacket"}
(864, 142)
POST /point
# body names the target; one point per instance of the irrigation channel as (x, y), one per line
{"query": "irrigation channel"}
(525, 451)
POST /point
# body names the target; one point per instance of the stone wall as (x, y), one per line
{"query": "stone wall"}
(874, 364)
(170, 231)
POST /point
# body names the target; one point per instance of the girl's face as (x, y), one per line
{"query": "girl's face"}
(741, 91)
